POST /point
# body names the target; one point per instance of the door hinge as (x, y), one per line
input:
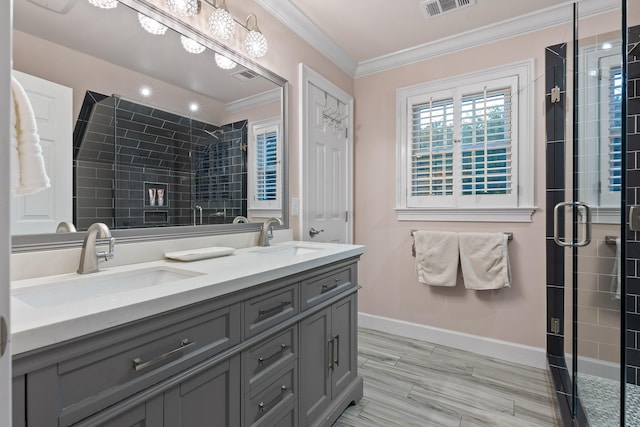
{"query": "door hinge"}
(555, 94)
(346, 216)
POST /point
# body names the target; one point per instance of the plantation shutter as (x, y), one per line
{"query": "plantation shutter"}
(614, 166)
(266, 166)
(431, 145)
(486, 151)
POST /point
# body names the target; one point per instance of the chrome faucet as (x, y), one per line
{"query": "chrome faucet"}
(66, 227)
(90, 257)
(241, 220)
(266, 233)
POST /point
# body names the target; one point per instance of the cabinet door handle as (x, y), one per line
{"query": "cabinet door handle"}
(139, 365)
(264, 408)
(261, 359)
(331, 345)
(336, 350)
(327, 287)
(278, 308)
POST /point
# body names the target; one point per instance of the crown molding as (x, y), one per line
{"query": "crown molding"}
(254, 101)
(291, 16)
(499, 31)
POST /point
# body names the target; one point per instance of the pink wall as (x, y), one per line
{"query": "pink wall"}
(387, 271)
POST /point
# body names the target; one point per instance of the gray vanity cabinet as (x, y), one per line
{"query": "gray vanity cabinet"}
(327, 358)
(211, 397)
(279, 354)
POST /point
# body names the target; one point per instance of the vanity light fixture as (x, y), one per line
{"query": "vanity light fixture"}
(224, 62)
(151, 25)
(191, 45)
(255, 43)
(221, 23)
(184, 7)
(104, 4)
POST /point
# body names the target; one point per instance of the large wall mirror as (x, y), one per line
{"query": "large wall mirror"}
(159, 138)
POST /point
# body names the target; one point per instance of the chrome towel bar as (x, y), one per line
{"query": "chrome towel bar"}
(508, 233)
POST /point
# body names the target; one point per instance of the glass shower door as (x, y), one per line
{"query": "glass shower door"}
(596, 167)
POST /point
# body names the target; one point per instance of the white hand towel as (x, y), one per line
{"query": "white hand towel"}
(436, 257)
(28, 174)
(484, 259)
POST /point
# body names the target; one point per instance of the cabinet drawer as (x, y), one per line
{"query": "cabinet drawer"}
(269, 309)
(271, 399)
(261, 361)
(323, 287)
(102, 377)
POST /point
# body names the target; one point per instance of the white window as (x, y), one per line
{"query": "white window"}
(600, 126)
(265, 171)
(465, 147)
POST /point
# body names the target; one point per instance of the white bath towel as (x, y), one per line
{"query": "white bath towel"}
(484, 258)
(28, 174)
(616, 273)
(436, 257)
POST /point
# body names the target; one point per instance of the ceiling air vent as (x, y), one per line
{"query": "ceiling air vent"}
(433, 8)
(244, 74)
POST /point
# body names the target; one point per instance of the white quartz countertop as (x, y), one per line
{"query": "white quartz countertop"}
(37, 325)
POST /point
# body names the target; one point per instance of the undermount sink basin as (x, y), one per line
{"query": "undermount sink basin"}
(85, 287)
(290, 250)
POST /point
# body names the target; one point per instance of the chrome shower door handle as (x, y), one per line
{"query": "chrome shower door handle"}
(586, 223)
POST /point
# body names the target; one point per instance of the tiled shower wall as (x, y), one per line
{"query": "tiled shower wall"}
(633, 198)
(155, 149)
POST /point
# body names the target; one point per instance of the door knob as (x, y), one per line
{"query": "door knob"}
(313, 232)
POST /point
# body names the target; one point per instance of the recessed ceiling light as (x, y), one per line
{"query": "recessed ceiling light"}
(193, 106)
(145, 91)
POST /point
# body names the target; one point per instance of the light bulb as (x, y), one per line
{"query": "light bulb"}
(104, 4)
(191, 46)
(151, 25)
(224, 62)
(184, 7)
(255, 44)
(221, 24)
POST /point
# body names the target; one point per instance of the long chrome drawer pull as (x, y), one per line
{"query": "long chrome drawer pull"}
(278, 307)
(139, 365)
(331, 344)
(327, 288)
(264, 408)
(261, 359)
(336, 350)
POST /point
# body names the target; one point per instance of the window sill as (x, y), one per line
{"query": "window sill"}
(265, 213)
(466, 214)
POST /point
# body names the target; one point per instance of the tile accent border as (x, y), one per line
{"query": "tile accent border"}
(503, 350)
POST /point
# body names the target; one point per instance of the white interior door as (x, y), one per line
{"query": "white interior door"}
(53, 107)
(327, 175)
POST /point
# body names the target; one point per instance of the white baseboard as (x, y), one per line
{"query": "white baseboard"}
(504, 350)
(595, 367)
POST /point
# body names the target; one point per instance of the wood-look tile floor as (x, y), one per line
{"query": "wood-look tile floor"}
(415, 383)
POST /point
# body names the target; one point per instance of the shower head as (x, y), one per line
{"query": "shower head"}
(213, 134)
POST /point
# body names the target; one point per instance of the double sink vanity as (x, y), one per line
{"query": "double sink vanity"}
(265, 336)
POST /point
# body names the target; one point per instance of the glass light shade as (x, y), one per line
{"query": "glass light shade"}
(221, 24)
(104, 4)
(191, 46)
(151, 25)
(184, 7)
(255, 44)
(224, 62)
